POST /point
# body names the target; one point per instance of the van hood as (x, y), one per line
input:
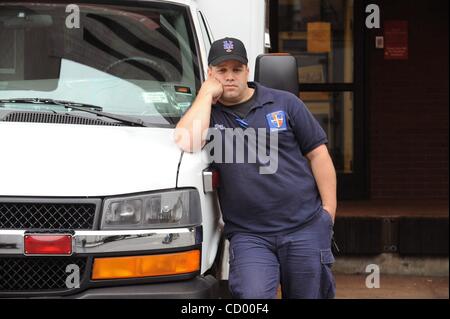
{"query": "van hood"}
(61, 160)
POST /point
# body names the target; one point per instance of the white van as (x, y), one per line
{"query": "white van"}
(96, 200)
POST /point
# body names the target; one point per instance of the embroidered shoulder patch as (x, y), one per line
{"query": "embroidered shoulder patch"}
(276, 121)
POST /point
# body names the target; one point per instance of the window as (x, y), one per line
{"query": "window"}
(334, 112)
(320, 35)
(129, 60)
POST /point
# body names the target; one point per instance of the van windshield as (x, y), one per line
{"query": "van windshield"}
(129, 60)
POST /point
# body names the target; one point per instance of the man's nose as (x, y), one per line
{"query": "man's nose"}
(229, 76)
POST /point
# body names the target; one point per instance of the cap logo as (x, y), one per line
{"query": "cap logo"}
(228, 46)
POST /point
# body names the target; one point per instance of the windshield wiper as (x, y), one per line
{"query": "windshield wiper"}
(97, 110)
(50, 102)
(121, 118)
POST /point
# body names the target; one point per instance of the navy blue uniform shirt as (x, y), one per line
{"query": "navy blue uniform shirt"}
(268, 203)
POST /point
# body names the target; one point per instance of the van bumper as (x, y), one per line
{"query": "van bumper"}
(200, 287)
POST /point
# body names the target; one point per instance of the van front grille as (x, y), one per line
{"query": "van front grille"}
(57, 216)
(28, 274)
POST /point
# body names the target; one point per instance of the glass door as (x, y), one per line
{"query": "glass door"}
(320, 34)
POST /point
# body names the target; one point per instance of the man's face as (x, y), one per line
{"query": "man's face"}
(233, 75)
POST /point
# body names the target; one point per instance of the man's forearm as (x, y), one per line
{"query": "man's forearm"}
(325, 176)
(191, 127)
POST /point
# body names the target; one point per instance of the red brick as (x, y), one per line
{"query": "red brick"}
(408, 106)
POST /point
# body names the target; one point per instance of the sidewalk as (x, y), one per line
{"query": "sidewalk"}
(392, 287)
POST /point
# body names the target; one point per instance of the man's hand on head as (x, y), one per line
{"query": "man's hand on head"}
(212, 87)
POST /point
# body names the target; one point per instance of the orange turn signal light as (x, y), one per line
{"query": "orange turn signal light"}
(146, 266)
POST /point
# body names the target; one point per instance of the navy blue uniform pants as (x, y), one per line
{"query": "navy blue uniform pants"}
(301, 261)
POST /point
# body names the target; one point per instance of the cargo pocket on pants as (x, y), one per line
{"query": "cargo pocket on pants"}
(327, 283)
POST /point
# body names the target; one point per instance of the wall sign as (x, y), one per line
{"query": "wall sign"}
(396, 40)
(319, 37)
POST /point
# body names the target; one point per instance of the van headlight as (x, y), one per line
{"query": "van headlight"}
(157, 210)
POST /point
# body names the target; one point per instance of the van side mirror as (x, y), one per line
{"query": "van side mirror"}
(277, 71)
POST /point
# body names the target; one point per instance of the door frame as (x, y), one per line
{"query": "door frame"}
(353, 185)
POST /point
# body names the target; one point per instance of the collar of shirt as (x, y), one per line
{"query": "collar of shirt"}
(263, 97)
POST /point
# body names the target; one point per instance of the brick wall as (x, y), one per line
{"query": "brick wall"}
(408, 105)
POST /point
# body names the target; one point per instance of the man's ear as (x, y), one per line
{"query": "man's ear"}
(209, 71)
